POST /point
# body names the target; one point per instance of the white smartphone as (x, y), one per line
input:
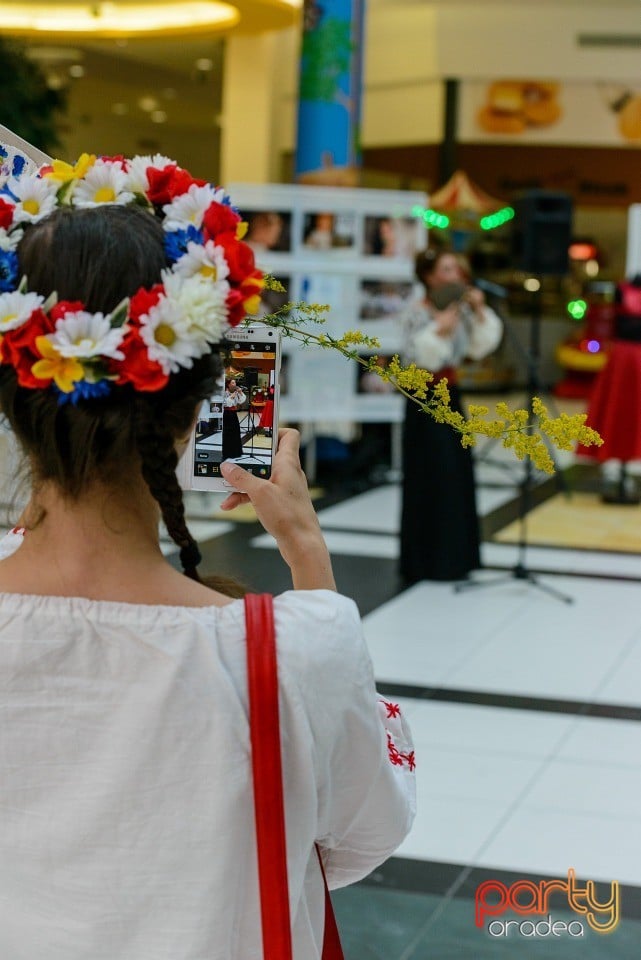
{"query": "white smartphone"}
(239, 421)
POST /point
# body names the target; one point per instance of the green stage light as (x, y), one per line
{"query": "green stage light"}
(494, 220)
(577, 309)
(434, 219)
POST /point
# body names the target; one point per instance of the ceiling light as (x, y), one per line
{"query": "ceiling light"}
(158, 116)
(117, 20)
(205, 64)
(55, 81)
(592, 268)
(148, 104)
(76, 70)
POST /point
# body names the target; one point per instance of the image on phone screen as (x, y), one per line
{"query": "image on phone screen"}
(238, 422)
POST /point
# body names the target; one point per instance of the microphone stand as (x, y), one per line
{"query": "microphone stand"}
(520, 571)
(530, 360)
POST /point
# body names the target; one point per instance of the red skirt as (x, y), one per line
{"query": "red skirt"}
(614, 409)
(267, 416)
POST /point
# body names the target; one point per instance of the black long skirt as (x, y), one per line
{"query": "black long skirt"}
(232, 446)
(439, 523)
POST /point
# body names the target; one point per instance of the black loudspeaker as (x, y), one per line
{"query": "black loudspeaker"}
(542, 232)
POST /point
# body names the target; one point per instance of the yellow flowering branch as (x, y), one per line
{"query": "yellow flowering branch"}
(523, 431)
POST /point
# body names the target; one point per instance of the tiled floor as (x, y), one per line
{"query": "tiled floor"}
(526, 713)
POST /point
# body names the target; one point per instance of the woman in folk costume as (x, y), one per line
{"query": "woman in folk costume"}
(127, 829)
(447, 322)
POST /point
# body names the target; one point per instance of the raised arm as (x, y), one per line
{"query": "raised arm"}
(285, 509)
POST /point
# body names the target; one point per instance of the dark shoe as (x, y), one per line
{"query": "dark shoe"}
(623, 491)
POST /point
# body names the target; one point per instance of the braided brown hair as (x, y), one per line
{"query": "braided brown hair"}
(99, 256)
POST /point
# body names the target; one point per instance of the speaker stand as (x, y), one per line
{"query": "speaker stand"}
(520, 571)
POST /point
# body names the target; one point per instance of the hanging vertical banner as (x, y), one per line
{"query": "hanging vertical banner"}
(330, 92)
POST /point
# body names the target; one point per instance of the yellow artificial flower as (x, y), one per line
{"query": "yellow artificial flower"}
(64, 172)
(241, 229)
(252, 304)
(64, 371)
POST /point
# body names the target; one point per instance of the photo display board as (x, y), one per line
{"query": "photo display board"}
(354, 250)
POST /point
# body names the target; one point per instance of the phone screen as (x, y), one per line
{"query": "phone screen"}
(238, 422)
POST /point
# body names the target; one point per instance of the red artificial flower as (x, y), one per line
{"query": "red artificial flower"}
(239, 257)
(118, 158)
(219, 218)
(143, 300)
(235, 308)
(170, 182)
(18, 347)
(137, 368)
(60, 309)
(6, 214)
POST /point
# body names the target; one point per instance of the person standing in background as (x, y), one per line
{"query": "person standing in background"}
(232, 400)
(447, 322)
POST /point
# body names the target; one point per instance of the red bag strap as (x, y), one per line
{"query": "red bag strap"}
(262, 681)
(269, 808)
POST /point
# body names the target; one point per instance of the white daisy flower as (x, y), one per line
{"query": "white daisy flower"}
(201, 303)
(137, 173)
(35, 198)
(167, 337)
(190, 207)
(206, 260)
(10, 241)
(16, 308)
(87, 335)
(105, 182)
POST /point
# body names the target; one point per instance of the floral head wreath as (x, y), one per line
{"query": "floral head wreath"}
(211, 281)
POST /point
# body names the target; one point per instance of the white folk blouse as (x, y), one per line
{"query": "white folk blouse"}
(473, 337)
(126, 817)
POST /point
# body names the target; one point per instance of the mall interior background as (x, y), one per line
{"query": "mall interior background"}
(226, 107)
(526, 712)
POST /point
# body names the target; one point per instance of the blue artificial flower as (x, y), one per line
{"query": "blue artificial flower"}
(84, 391)
(4, 153)
(176, 242)
(6, 192)
(226, 202)
(8, 270)
(19, 163)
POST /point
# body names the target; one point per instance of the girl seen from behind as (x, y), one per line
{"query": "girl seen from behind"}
(128, 827)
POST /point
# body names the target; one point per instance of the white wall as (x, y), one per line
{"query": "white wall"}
(410, 48)
(249, 147)
(533, 39)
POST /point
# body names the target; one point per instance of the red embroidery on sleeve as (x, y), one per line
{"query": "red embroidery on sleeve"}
(399, 759)
(393, 709)
(395, 757)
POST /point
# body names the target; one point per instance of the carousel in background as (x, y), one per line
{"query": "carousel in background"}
(461, 213)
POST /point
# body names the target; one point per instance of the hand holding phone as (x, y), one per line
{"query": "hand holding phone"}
(239, 421)
(284, 507)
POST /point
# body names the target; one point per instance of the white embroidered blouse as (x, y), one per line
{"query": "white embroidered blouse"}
(126, 826)
(473, 337)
